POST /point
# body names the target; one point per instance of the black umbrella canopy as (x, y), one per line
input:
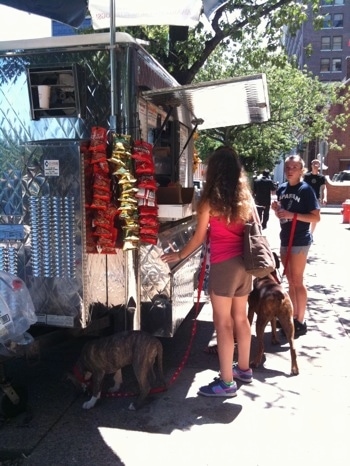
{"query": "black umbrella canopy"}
(71, 12)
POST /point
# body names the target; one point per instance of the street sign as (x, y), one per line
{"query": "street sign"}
(323, 149)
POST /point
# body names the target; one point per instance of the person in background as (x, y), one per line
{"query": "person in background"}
(226, 204)
(296, 198)
(263, 187)
(318, 183)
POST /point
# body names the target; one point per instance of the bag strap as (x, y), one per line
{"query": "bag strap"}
(255, 215)
(291, 237)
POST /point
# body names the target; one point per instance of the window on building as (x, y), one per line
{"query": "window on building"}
(325, 43)
(325, 65)
(327, 21)
(337, 43)
(338, 20)
(331, 2)
(326, 2)
(336, 64)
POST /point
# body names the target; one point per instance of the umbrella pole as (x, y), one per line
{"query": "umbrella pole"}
(130, 257)
(113, 118)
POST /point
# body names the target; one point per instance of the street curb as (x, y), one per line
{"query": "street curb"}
(332, 210)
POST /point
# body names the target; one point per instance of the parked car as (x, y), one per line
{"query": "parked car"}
(198, 184)
(342, 176)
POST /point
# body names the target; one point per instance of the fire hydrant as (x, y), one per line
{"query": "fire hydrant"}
(346, 211)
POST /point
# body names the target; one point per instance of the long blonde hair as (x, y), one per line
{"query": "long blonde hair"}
(226, 188)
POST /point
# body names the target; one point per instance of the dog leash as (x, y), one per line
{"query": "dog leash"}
(290, 243)
(194, 325)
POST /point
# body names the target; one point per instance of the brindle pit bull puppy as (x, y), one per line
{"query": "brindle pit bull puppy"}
(269, 300)
(108, 355)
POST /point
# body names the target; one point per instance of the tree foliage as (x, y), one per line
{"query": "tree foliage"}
(184, 51)
(299, 105)
(244, 37)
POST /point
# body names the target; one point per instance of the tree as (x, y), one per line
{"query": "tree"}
(299, 106)
(245, 38)
(184, 52)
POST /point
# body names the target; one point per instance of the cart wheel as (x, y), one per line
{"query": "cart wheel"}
(8, 409)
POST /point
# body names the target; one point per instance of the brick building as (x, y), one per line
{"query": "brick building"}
(323, 51)
(339, 160)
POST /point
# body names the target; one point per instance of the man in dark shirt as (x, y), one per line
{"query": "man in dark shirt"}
(318, 183)
(263, 188)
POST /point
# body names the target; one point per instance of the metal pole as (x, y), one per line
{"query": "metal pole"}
(130, 257)
(323, 151)
(113, 118)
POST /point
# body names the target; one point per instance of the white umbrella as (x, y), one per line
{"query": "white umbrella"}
(127, 12)
(152, 12)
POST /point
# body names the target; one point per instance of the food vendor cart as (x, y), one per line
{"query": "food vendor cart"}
(88, 204)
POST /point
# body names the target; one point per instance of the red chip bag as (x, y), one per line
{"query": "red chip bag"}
(149, 239)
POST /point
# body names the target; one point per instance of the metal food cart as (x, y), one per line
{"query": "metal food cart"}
(55, 95)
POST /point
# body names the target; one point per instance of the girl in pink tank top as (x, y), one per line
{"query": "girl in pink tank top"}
(225, 205)
(226, 241)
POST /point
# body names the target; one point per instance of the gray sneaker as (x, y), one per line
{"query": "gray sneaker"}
(243, 376)
(218, 388)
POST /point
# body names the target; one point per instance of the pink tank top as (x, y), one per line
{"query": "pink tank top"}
(226, 241)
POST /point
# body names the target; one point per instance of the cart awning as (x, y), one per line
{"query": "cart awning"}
(216, 104)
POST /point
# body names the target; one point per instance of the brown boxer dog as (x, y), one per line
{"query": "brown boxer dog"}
(108, 355)
(269, 300)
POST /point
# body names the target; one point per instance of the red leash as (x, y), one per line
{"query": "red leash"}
(194, 325)
(290, 243)
(188, 350)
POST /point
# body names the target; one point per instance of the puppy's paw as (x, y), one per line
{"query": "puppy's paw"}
(88, 405)
(114, 389)
(91, 403)
(118, 380)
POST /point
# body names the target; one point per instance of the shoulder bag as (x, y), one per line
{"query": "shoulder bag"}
(258, 257)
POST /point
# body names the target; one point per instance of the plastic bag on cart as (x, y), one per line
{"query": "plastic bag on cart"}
(17, 311)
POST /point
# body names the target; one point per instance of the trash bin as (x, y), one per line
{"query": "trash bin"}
(346, 211)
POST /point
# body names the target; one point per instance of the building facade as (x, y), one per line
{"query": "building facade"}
(323, 51)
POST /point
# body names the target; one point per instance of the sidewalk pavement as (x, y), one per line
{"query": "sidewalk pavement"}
(277, 419)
